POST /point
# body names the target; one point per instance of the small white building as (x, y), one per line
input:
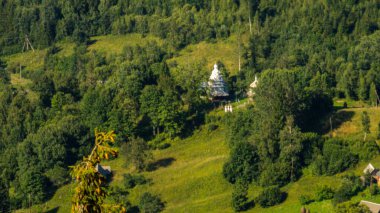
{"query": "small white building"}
(252, 87)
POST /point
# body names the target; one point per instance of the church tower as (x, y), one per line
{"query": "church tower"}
(217, 86)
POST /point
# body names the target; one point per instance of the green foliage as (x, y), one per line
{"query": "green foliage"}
(365, 150)
(373, 98)
(240, 126)
(33, 186)
(352, 207)
(363, 88)
(291, 147)
(270, 196)
(336, 157)
(58, 176)
(150, 203)
(161, 105)
(239, 196)
(366, 122)
(243, 164)
(137, 153)
(76, 91)
(305, 199)
(130, 181)
(5, 201)
(5, 78)
(324, 193)
(118, 196)
(91, 187)
(351, 186)
(374, 189)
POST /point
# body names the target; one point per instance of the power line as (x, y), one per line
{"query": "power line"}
(27, 44)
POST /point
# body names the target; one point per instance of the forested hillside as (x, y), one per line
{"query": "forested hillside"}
(136, 67)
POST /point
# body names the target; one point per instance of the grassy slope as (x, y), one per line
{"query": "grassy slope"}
(353, 124)
(225, 51)
(193, 181)
(114, 44)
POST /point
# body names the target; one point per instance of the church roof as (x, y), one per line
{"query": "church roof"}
(215, 75)
(369, 169)
(216, 84)
(254, 84)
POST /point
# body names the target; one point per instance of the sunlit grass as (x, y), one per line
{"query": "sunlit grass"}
(353, 125)
(24, 83)
(28, 60)
(114, 44)
(225, 51)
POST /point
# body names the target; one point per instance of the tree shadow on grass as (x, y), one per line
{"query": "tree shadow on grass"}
(337, 119)
(164, 162)
(54, 210)
(92, 41)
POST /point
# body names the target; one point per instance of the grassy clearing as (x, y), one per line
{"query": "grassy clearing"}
(24, 84)
(114, 44)
(226, 51)
(66, 48)
(349, 121)
(60, 202)
(29, 60)
(191, 179)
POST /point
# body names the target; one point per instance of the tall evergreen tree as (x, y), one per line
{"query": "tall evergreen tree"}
(4, 192)
(373, 98)
(363, 88)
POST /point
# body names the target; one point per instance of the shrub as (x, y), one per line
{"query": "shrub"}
(336, 157)
(374, 189)
(350, 187)
(324, 193)
(211, 127)
(239, 197)
(137, 153)
(131, 181)
(305, 199)
(58, 175)
(151, 203)
(351, 207)
(270, 196)
(118, 196)
(365, 151)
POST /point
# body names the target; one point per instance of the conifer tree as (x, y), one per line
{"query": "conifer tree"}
(363, 88)
(373, 94)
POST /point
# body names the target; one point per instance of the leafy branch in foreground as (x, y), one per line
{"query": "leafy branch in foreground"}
(91, 187)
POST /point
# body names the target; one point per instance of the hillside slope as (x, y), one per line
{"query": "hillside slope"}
(188, 176)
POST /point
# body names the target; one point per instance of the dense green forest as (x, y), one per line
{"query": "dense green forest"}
(306, 53)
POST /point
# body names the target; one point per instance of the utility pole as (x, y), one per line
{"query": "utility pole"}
(249, 18)
(331, 127)
(27, 44)
(239, 47)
